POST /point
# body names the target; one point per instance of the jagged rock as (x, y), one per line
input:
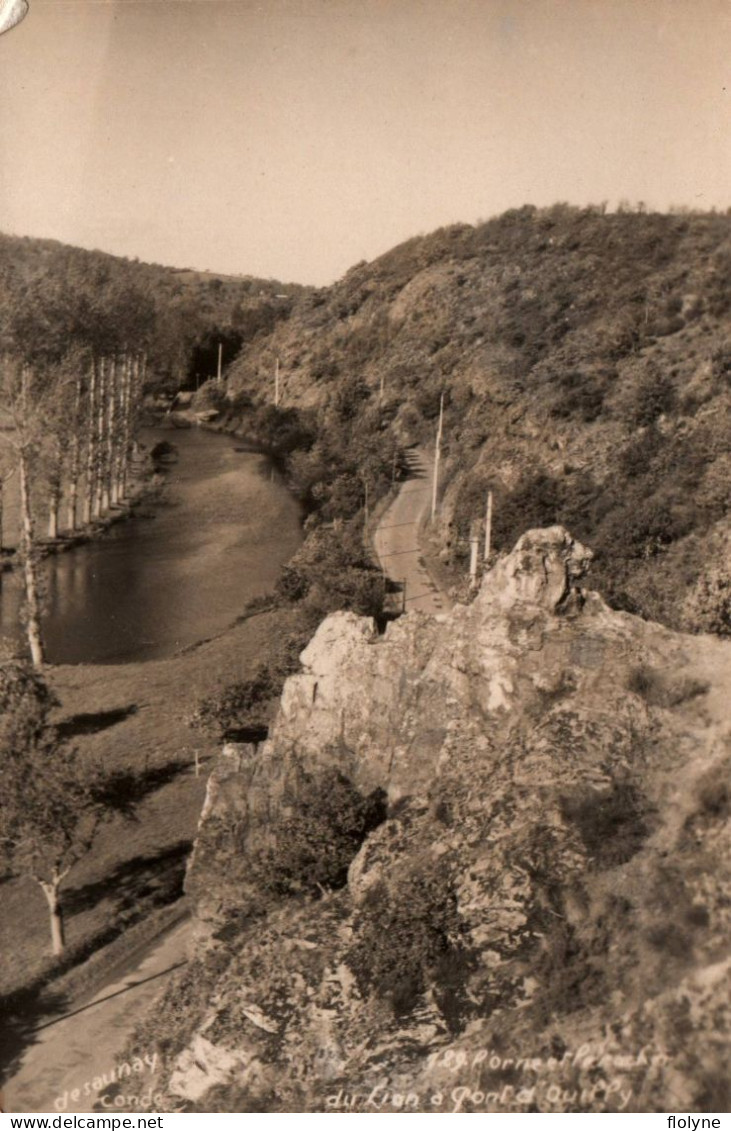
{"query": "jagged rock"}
(541, 570)
(202, 1066)
(551, 872)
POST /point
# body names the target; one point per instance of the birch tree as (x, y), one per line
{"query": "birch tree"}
(74, 462)
(90, 446)
(24, 398)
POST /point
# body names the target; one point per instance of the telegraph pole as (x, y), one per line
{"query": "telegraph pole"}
(437, 457)
(488, 526)
(276, 381)
(220, 358)
(474, 548)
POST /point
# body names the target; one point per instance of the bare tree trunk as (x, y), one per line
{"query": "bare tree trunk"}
(488, 527)
(90, 449)
(109, 446)
(133, 383)
(27, 546)
(75, 457)
(100, 450)
(126, 437)
(54, 503)
(51, 892)
(118, 429)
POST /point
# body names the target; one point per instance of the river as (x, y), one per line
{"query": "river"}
(180, 570)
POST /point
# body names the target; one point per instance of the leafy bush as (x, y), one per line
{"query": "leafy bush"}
(654, 397)
(313, 842)
(211, 394)
(535, 502)
(25, 705)
(613, 823)
(332, 571)
(580, 396)
(247, 705)
(409, 938)
(283, 430)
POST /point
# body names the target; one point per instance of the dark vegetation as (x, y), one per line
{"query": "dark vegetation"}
(247, 705)
(316, 836)
(663, 688)
(409, 939)
(613, 823)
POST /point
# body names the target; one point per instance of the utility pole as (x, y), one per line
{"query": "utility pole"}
(276, 381)
(220, 358)
(474, 549)
(488, 526)
(437, 457)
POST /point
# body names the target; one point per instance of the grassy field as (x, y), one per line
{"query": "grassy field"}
(131, 717)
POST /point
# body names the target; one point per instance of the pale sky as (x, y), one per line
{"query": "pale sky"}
(292, 138)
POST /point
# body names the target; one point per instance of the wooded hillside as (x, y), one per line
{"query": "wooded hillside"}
(584, 359)
(54, 297)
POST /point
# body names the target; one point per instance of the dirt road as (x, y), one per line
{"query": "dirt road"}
(397, 541)
(76, 1053)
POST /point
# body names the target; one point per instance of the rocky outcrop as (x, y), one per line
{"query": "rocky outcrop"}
(540, 921)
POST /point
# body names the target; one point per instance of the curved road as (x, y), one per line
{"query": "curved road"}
(397, 537)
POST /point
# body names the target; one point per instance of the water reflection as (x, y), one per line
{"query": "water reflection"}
(158, 583)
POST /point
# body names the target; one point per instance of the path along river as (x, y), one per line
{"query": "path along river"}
(151, 586)
(146, 590)
(118, 610)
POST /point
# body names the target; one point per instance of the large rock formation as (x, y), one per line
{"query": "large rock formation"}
(540, 922)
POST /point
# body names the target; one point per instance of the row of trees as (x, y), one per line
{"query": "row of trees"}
(69, 436)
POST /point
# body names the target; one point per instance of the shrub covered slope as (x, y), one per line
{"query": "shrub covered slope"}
(584, 359)
(531, 795)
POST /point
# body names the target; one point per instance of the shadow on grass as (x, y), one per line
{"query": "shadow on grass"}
(123, 790)
(154, 879)
(94, 721)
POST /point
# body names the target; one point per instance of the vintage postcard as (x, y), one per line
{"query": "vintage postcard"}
(364, 558)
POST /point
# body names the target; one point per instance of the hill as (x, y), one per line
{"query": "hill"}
(584, 359)
(54, 297)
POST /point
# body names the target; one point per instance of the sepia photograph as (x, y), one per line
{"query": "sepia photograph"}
(365, 559)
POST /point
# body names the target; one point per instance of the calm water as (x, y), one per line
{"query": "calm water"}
(155, 584)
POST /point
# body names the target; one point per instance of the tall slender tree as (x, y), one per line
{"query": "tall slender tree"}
(74, 463)
(23, 394)
(100, 448)
(90, 461)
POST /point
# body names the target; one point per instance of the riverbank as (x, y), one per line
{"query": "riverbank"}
(132, 716)
(144, 487)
